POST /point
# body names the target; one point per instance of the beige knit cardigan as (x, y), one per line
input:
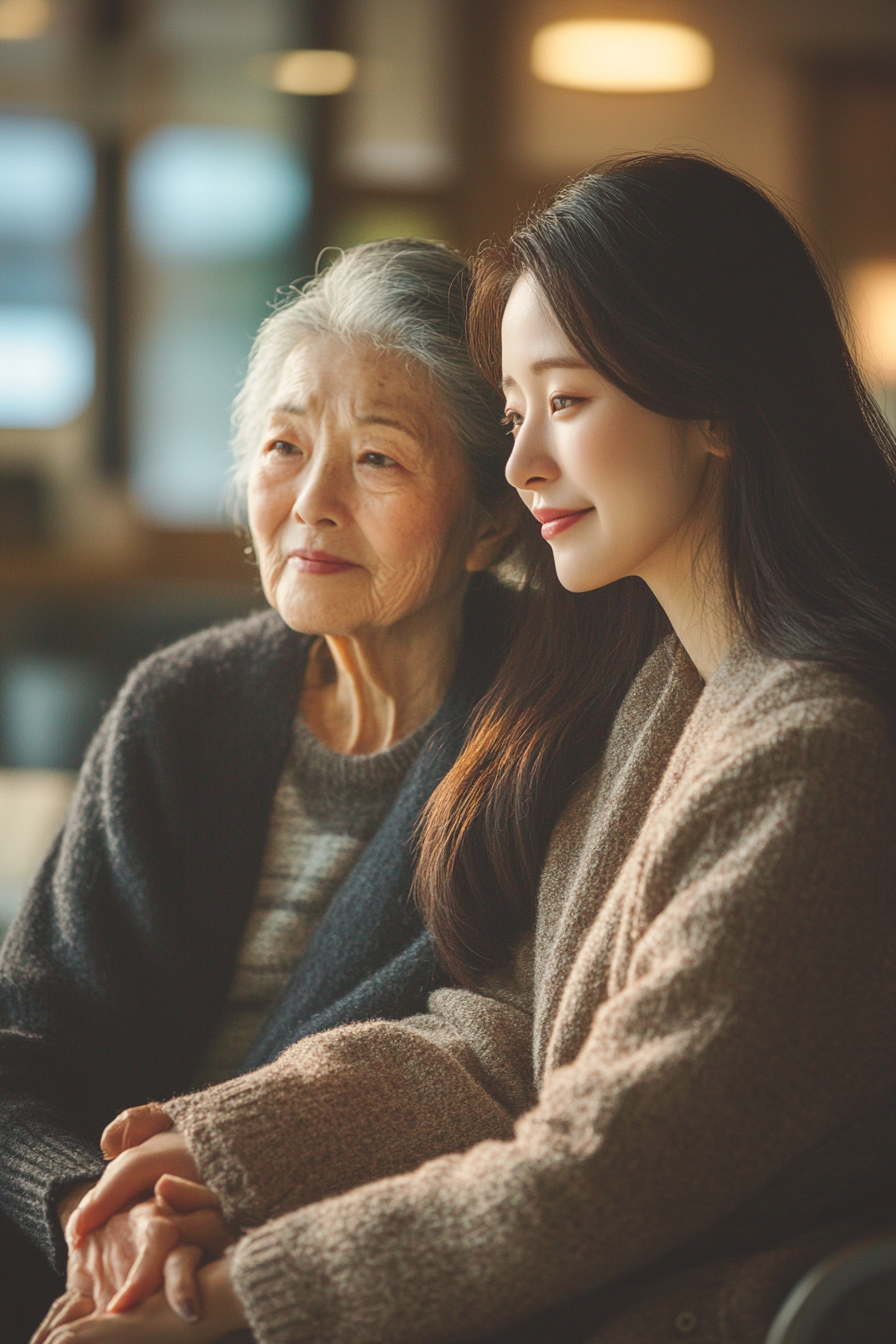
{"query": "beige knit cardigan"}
(683, 1085)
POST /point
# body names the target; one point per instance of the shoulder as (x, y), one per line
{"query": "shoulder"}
(799, 714)
(781, 753)
(225, 662)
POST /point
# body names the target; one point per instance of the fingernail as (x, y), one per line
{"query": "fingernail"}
(186, 1310)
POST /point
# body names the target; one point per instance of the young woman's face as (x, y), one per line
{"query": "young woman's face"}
(360, 505)
(616, 487)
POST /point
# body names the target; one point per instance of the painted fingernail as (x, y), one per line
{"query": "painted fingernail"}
(186, 1310)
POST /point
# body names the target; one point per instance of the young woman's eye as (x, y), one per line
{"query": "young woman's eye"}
(563, 403)
(512, 419)
(372, 459)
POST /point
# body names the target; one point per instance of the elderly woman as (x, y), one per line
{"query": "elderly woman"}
(234, 873)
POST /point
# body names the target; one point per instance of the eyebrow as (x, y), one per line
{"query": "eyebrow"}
(385, 420)
(289, 408)
(552, 362)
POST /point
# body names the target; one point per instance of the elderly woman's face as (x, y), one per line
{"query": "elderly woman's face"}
(359, 500)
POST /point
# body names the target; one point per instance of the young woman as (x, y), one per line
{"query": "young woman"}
(700, 984)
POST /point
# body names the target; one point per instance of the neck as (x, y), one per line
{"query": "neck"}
(691, 589)
(366, 691)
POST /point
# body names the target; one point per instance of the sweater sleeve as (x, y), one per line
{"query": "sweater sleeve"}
(734, 1043)
(357, 1103)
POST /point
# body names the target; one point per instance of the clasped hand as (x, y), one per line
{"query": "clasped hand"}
(125, 1247)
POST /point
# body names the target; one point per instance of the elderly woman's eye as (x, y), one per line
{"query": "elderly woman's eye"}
(282, 447)
(372, 459)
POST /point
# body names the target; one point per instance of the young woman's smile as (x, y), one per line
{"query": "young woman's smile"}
(555, 521)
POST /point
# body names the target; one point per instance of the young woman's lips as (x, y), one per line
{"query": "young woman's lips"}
(319, 562)
(555, 521)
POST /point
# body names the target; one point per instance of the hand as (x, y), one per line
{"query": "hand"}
(98, 1268)
(187, 1231)
(77, 1300)
(155, 1323)
(132, 1174)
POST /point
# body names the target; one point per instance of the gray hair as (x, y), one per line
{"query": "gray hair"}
(405, 295)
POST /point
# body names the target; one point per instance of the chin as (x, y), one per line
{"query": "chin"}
(580, 579)
(321, 612)
(575, 581)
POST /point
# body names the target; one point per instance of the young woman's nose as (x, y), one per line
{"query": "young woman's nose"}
(529, 466)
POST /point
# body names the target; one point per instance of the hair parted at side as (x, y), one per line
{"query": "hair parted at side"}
(691, 291)
(405, 295)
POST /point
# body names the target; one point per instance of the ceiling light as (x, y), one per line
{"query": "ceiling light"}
(613, 56)
(21, 19)
(313, 72)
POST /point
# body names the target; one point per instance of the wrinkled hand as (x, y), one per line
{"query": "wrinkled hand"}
(186, 1230)
(159, 1243)
(128, 1177)
(98, 1268)
(153, 1322)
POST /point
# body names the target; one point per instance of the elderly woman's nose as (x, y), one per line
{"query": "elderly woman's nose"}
(321, 499)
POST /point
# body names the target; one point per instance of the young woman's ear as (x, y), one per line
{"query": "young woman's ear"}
(494, 531)
(715, 437)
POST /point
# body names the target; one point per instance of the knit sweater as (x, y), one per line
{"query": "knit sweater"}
(705, 1009)
(116, 972)
(327, 807)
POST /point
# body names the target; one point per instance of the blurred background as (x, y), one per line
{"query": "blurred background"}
(167, 165)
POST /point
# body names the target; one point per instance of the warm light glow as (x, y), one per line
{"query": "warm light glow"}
(612, 56)
(313, 72)
(872, 293)
(21, 19)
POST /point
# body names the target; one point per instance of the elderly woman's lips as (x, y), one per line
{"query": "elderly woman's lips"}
(319, 562)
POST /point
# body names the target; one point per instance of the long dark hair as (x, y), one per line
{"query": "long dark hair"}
(692, 292)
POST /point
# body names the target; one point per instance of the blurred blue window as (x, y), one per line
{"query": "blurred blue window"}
(185, 378)
(215, 213)
(47, 188)
(208, 192)
(46, 179)
(46, 366)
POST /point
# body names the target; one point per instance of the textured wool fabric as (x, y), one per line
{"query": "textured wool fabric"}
(116, 972)
(711, 1030)
(326, 808)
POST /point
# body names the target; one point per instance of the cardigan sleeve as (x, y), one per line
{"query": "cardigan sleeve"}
(117, 962)
(734, 1045)
(367, 1100)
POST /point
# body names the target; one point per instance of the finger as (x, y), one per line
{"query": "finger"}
(147, 1272)
(71, 1306)
(184, 1196)
(181, 1288)
(132, 1174)
(133, 1126)
(205, 1229)
(127, 1177)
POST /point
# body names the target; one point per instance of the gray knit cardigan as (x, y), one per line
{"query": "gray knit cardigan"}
(114, 976)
